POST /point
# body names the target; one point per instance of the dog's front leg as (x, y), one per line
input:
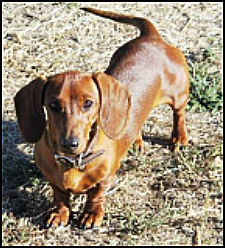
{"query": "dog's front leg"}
(94, 208)
(93, 183)
(59, 214)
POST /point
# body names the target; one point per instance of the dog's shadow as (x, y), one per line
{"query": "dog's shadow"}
(161, 141)
(23, 194)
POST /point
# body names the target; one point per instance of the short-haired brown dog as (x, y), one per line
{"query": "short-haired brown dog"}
(92, 119)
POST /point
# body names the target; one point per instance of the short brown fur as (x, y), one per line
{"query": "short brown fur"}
(142, 74)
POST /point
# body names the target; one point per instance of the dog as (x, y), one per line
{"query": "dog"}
(83, 124)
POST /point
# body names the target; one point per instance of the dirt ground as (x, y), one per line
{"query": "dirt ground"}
(159, 198)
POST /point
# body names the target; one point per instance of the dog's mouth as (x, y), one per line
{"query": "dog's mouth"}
(82, 159)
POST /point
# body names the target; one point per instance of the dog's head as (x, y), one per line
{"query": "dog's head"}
(75, 103)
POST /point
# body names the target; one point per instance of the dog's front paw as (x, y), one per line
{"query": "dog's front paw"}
(92, 217)
(58, 217)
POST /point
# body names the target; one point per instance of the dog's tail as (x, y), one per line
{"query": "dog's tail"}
(145, 26)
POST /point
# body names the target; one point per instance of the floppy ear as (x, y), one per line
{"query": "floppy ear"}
(29, 111)
(115, 103)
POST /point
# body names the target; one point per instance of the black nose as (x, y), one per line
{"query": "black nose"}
(70, 144)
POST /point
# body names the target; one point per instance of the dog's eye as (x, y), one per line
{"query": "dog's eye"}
(87, 104)
(55, 106)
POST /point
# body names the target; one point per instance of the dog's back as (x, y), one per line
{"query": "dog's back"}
(154, 71)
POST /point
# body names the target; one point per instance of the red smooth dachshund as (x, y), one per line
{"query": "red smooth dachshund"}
(83, 124)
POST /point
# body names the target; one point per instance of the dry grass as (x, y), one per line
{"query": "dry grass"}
(159, 199)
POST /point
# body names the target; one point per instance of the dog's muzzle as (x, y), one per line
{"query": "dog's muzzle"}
(82, 159)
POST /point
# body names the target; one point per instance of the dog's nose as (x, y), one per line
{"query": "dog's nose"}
(70, 144)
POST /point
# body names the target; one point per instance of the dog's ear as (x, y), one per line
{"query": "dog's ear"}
(29, 111)
(115, 104)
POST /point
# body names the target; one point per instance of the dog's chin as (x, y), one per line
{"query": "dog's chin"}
(71, 154)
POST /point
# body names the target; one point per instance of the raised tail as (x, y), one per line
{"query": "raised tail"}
(145, 26)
